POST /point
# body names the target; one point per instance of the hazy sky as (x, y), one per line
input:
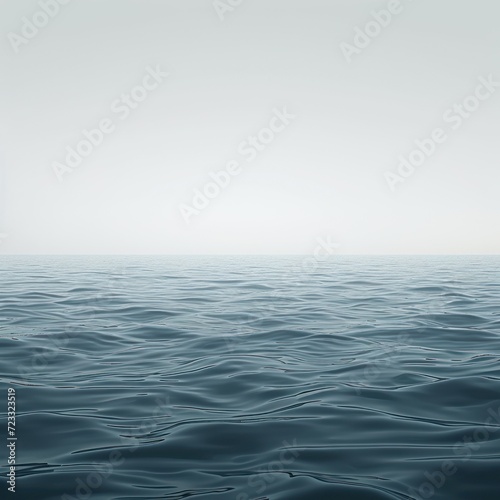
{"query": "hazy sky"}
(331, 110)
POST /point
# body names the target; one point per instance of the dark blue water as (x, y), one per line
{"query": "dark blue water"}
(252, 378)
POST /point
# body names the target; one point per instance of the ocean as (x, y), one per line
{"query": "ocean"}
(239, 378)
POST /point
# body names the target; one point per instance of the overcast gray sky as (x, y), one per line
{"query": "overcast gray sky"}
(347, 106)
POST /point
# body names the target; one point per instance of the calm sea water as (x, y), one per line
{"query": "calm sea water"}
(234, 378)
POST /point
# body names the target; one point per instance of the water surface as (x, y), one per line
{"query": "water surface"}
(240, 378)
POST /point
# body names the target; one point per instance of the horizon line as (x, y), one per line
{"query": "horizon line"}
(324, 257)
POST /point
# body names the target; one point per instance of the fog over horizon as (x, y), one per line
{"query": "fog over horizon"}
(218, 127)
